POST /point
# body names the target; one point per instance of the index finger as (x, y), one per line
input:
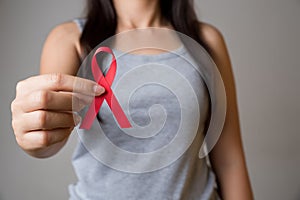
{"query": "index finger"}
(62, 82)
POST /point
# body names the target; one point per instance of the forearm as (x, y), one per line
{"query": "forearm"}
(229, 163)
(233, 181)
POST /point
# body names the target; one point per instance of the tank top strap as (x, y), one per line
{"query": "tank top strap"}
(80, 23)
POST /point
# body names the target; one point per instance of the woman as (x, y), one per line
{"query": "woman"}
(42, 122)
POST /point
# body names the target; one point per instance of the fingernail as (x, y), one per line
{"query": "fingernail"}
(98, 89)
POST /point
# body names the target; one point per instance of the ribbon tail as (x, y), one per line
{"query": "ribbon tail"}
(118, 112)
(91, 113)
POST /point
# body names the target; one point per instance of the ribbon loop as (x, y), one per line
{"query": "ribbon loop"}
(106, 82)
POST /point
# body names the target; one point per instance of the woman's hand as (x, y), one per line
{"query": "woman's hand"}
(43, 112)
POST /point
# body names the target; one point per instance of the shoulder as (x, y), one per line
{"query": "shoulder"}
(67, 33)
(216, 46)
(61, 47)
(69, 27)
(214, 41)
(212, 38)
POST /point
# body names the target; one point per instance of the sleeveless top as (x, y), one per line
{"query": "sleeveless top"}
(187, 178)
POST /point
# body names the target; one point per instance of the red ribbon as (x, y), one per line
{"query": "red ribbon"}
(106, 82)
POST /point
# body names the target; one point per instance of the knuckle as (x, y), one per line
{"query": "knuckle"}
(19, 140)
(56, 79)
(42, 99)
(19, 85)
(41, 118)
(17, 125)
(14, 124)
(13, 106)
(43, 139)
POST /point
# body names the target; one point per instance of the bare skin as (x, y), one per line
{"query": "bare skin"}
(42, 116)
(227, 157)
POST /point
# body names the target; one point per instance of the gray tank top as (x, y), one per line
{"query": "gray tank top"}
(187, 178)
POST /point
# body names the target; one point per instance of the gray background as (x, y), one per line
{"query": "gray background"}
(263, 41)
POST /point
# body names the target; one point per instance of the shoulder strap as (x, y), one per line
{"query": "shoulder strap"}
(80, 23)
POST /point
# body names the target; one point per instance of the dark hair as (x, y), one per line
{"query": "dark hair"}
(102, 15)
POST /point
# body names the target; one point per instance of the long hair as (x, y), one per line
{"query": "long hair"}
(102, 15)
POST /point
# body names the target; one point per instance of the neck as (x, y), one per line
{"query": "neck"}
(133, 14)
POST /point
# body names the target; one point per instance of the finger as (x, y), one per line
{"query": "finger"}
(55, 101)
(41, 139)
(46, 120)
(84, 99)
(59, 82)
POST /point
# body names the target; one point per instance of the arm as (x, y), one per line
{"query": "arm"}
(60, 55)
(227, 157)
(61, 50)
(42, 112)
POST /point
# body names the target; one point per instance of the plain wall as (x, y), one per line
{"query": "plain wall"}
(263, 42)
